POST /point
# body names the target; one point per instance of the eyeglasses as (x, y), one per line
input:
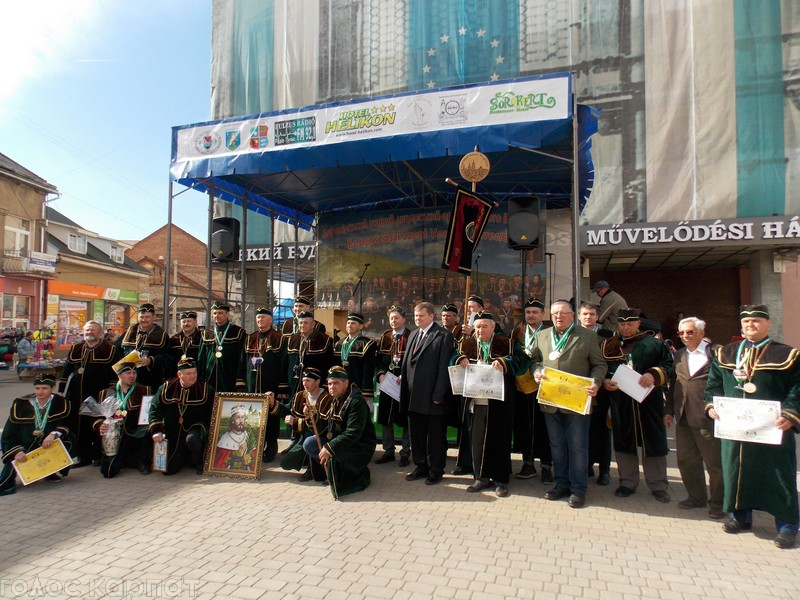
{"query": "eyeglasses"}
(687, 332)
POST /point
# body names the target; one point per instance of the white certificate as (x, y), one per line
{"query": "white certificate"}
(390, 386)
(747, 420)
(145, 410)
(628, 381)
(483, 381)
(456, 379)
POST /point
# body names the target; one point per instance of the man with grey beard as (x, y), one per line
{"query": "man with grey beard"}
(89, 370)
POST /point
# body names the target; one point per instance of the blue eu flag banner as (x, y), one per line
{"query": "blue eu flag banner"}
(453, 42)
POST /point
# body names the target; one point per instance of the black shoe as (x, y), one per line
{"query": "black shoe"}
(268, 457)
(306, 475)
(384, 458)
(418, 473)
(478, 485)
(556, 494)
(736, 526)
(404, 462)
(199, 470)
(144, 469)
(526, 472)
(785, 540)
(716, 513)
(461, 471)
(689, 503)
(624, 492)
(501, 491)
(661, 496)
(547, 476)
(433, 479)
(576, 501)
(95, 462)
(603, 479)
(54, 477)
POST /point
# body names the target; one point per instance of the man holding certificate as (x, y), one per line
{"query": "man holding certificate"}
(575, 351)
(491, 422)
(756, 475)
(639, 422)
(34, 422)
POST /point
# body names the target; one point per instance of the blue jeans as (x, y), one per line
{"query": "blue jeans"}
(569, 444)
(311, 448)
(746, 516)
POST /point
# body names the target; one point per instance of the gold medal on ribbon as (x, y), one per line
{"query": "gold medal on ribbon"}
(37, 432)
(218, 354)
(749, 387)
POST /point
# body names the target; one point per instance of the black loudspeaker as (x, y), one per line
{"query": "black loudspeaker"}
(224, 239)
(523, 223)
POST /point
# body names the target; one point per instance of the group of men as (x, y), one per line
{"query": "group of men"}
(332, 433)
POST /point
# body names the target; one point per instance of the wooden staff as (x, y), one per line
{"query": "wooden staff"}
(311, 410)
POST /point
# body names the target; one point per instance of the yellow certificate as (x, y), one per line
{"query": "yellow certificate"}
(42, 462)
(565, 390)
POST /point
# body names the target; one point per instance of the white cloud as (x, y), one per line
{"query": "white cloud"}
(36, 36)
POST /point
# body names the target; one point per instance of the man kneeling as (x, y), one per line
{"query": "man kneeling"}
(34, 422)
(351, 437)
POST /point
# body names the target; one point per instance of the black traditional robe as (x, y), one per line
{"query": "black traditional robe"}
(296, 457)
(135, 447)
(18, 434)
(390, 354)
(156, 344)
(266, 371)
(761, 476)
(639, 424)
(351, 443)
(497, 446)
(181, 345)
(175, 410)
(361, 362)
(227, 372)
(315, 351)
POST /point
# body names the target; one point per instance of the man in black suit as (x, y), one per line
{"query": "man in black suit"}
(425, 393)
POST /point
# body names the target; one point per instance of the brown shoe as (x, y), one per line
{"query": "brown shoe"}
(716, 513)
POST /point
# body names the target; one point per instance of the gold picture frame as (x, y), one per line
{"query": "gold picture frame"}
(236, 438)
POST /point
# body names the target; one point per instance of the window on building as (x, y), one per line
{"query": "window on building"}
(17, 236)
(77, 243)
(117, 254)
(16, 311)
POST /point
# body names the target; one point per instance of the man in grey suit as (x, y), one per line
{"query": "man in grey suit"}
(694, 430)
(425, 393)
(574, 350)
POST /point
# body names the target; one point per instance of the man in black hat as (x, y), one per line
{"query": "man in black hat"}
(291, 326)
(135, 449)
(181, 413)
(266, 371)
(530, 432)
(475, 305)
(89, 370)
(391, 349)
(152, 344)
(610, 305)
(357, 354)
(492, 419)
(35, 421)
(759, 476)
(639, 424)
(185, 343)
(221, 357)
(309, 347)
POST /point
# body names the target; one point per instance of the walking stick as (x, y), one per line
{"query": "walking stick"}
(311, 411)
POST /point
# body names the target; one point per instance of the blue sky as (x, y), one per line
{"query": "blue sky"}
(90, 90)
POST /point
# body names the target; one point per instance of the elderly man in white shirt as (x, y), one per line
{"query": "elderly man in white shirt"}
(694, 433)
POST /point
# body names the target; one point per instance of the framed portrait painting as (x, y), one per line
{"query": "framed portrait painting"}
(236, 437)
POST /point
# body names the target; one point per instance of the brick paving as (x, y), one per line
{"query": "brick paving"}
(211, 537)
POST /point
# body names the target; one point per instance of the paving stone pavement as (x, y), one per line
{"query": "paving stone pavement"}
(212, 537)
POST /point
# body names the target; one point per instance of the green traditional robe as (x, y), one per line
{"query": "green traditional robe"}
(351, 443)
(18, 434)
(315, 351)
(639, 424)
(761, 476)
(225, 373)
(361, 362)
(156, 344)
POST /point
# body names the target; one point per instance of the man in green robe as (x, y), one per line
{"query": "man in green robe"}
(351, 437)
(221, 358)
(35, 421)
(756, 475)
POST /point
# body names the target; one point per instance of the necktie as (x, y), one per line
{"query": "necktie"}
(418, 342)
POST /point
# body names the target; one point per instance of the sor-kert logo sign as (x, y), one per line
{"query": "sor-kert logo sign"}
(259, 136)
(506, 102)
(453, 109)
(207, 142)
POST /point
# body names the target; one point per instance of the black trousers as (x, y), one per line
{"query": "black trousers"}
(429, 442)
(133, 453)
